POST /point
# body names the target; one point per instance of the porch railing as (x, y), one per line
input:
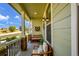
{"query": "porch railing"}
(10, 48)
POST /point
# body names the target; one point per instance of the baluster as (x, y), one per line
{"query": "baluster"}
(14, 44)
(8, 50)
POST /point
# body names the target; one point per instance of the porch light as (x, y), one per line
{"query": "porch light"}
(45, 19)
(35, 13)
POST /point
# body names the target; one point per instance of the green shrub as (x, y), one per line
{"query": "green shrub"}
(14, 37)
(10, 38)
(12, 28)
(41, 42)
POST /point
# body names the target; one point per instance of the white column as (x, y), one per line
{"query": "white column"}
(8, 50)
(22, 24)
(52, 25)
(74, 38)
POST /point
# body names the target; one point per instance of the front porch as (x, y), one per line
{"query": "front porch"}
(49, 34)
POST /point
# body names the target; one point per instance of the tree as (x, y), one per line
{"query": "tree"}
(12, 28)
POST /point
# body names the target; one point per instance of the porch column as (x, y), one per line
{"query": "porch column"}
(24, 38)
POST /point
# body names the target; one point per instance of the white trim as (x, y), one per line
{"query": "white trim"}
(42, 30)
(8, 52)
(45, 31)
(51, 26)
(10, 42)
(74, 30)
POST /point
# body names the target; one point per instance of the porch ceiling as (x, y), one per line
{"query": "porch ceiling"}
(34, 10)
(19, 9)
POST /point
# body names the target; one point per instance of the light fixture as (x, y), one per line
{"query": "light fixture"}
(35, 13)
(45, 19)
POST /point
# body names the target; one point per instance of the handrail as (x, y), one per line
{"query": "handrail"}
(6, 45)
(50, 48)
(9, 34)
(10, 42)
(48, 44)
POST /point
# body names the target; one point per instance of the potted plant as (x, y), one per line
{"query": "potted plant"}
(41, 42)
(40, 49)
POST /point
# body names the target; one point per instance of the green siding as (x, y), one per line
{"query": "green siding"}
(61, 17)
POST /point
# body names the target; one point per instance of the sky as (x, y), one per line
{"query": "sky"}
(10, 17)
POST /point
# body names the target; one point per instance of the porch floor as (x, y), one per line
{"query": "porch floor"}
(29, 49)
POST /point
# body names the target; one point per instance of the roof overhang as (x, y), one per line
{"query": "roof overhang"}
(20, 10)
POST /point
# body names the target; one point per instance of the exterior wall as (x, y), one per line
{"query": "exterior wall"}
(61, 19)
(36, 22)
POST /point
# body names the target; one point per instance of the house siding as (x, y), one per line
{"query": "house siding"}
(61, 19)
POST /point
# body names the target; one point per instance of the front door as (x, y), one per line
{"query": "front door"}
(49, 33)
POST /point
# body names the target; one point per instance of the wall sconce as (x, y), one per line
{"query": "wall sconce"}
(45, 19)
